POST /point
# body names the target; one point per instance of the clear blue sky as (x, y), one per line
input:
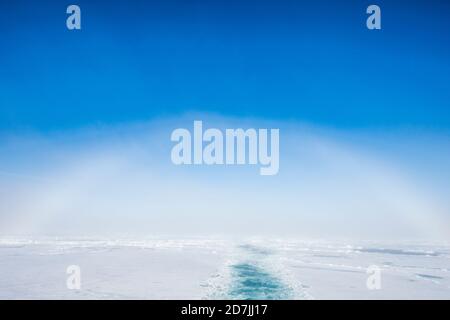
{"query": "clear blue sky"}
(311, 61)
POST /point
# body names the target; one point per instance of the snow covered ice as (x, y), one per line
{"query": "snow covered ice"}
(220, 268)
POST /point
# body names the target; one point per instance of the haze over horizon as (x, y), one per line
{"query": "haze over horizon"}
(364, 118)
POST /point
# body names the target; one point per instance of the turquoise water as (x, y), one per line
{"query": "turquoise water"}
(251, 282)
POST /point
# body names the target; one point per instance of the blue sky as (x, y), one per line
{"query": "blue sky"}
(308, 61)
(364, 117)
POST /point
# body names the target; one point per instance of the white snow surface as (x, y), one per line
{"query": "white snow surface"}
(212, 268)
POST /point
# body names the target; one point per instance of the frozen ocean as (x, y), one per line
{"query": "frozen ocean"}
(218, 268)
